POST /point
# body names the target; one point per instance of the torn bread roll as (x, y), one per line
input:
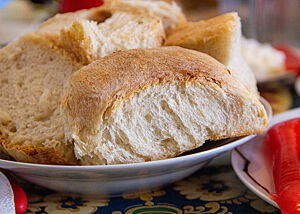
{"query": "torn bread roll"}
(219, 37)
(99, 32)
(150, 104)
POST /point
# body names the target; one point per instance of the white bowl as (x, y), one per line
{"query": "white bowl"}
(114, 180)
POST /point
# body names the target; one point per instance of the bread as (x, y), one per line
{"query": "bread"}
(34, 70)
(169, 83)
(150, 104)
(167, 10)
(220, 37)
(88, 40)
(118, 25)
(33, 74)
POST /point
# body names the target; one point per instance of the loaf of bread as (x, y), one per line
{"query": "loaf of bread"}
(150, 104)
(33, 75)
(220, 37)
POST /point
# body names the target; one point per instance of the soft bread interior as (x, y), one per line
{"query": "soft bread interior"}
(164, 121)
(220, 37)
(90, 40)
(32, 77)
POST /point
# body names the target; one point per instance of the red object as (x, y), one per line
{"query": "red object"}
(292, 61)
(283, 150)
(20, 198)
(74, 5)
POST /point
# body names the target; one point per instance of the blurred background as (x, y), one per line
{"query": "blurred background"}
(272, 21)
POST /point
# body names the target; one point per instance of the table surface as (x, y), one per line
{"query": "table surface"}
(214, 189)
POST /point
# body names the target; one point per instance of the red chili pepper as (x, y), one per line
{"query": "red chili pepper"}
(283, 150)
(292, 61)
(74, 5)
(20, 198)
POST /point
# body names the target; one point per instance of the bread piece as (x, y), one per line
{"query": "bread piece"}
(90, 40)
(101, 31)
(35, 68)
(150, 104)
(167, 10)
(33, 74)
(220, 37)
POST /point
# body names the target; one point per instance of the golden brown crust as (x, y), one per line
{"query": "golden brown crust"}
(38, 154)
(96, 87)
(209, 36)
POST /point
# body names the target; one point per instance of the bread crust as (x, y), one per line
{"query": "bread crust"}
(38, 154)
(219, 37)
(205, 35)
(105, 82)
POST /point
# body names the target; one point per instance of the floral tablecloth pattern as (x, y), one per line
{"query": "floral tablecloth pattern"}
(210, 190)
(214, 189)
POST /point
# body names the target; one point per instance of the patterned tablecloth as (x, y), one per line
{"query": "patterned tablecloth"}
(214, 189)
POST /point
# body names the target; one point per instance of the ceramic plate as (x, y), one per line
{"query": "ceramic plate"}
(114, 180)
(249, 163)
